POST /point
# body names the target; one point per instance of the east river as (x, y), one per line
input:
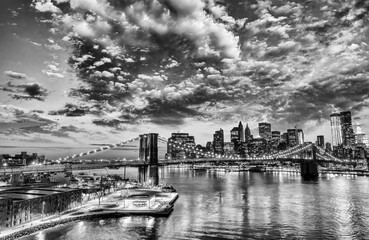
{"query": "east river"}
(242, 205)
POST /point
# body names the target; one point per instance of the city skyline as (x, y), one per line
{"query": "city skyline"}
(77, 73)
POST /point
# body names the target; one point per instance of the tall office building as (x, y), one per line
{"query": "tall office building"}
(300, 136)
(284, 137)
(360, 137)
(348, 137)
(341, 128)
(320, 141)
(265, 131)
(248, 136)
(336, 129)
(241, 134)
(292, 137)
(276, 136)
(234, 134)
(178, 153)
(218, 142)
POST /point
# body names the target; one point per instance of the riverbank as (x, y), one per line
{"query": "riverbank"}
(112, 208)
(18, 233)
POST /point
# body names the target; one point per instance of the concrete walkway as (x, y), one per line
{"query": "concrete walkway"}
(92, 208)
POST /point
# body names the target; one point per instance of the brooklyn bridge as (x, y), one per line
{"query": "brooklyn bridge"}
(308, 156)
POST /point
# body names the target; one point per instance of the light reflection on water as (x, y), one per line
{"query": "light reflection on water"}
(215, 205)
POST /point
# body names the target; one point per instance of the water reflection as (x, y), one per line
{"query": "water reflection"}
(242, 205)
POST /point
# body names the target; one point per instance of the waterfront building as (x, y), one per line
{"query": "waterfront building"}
(209, 146)
(336, 129)
(22, 159)
(320, 141)
(229, 148)
(218, 142)
(265, 131)
(22, 205)
(174, 152)
(257, 147)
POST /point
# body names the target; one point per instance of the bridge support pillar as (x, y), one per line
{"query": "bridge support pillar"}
(309, 168)
(149, 174)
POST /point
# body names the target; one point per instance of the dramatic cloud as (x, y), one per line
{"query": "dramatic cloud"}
(15, 75)
(164, 61)
(26, 91)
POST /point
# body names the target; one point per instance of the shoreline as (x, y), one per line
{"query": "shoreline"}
(98, 212)
(54, 223)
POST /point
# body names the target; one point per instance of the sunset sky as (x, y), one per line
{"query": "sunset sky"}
(78, 72)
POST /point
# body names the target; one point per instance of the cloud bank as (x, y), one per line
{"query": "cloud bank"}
(164, 61)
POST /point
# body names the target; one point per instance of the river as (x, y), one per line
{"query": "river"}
(241, 205)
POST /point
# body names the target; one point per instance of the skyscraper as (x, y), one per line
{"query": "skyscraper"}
(300, 136)
(234, 134)
(341, 128)
(320, 141)
(240, 132)
(218, 142)
(348, 137)
(292, 137)
(336, 129)
(360, 137)
(265, 131)
(276, 136)
(248, 135)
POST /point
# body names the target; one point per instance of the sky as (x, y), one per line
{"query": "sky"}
(81, 72)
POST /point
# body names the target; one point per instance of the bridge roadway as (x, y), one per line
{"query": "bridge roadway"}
(138, 163)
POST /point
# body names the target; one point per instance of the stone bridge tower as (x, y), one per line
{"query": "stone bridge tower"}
(148, 150)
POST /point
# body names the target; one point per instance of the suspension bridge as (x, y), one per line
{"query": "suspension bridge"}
(308, 155)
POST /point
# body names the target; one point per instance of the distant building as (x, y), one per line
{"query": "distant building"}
(234, 134)
(348, 137)
(328, 147)
(209, 147)
(276, 136)
(183, 139)
(257, 147)
(336, 129)
(218, 142)
(248, 135)
(361, 139)
(320, 141)
(292, 137)
(229, 148)
(22, 159)
(241, 135)
(300, 136)
(265, 131)
(284, 137)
